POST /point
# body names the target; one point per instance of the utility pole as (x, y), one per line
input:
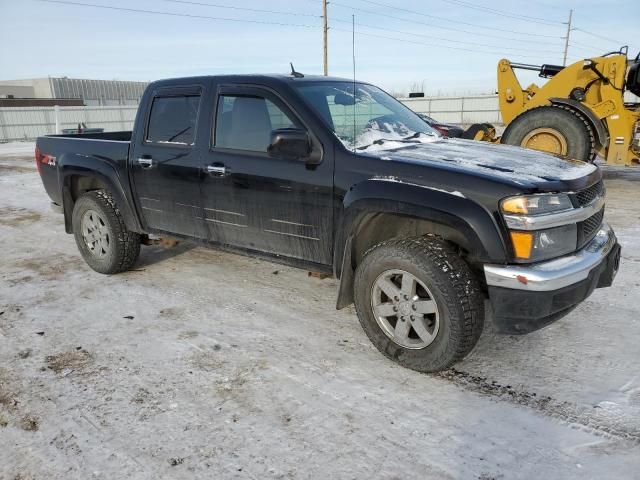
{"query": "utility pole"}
(325, 30)
(566, 39)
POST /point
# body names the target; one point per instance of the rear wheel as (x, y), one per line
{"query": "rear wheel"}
(419, 303)
(554, 129)
(101, 234)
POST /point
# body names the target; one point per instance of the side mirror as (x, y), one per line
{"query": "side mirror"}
(289, 143)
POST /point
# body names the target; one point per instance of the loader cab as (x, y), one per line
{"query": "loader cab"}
(633, 78)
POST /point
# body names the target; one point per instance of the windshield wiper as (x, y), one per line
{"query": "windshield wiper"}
(380, 141)
(416, 135)
(408, 139)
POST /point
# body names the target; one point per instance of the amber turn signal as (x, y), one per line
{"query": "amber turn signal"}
(516, 205)
(522, 244)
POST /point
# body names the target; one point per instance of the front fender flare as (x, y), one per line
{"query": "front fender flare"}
(478, 231)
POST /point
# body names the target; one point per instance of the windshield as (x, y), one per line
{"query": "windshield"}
(371, 118)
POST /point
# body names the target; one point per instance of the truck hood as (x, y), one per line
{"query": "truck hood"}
(512, 165)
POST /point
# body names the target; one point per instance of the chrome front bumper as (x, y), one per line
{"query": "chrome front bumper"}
(554, 274)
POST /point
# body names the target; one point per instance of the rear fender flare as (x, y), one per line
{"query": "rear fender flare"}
(103, 172)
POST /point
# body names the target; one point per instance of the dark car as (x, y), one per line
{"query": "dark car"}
(446, 129)
(338, 177)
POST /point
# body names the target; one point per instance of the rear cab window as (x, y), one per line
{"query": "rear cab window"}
(173, 118)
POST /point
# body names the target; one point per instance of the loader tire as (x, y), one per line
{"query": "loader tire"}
(480, 131)
(419, 302)
(555, 129)
(101, 235)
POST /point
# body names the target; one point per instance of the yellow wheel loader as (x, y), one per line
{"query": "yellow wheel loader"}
(579, 112)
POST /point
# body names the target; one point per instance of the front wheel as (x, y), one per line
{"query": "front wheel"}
(101, 234)
(419, 303)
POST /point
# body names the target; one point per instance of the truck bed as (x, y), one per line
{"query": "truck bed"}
(57, 151)
(123, 136)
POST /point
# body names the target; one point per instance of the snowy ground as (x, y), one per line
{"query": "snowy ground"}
(212, 365)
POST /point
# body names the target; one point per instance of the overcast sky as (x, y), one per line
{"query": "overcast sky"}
(449, 46)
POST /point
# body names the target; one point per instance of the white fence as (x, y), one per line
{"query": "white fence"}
(468, 110)
(26, 123)
(460, 110)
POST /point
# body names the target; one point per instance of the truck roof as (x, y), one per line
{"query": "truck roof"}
(262, 78)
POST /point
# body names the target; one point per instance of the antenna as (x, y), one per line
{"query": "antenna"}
(353, 52)
(294, 73)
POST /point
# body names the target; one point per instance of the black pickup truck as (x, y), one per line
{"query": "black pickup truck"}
(336, 176)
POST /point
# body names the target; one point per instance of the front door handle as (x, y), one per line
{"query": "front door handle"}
(145, 162)
(217, 170)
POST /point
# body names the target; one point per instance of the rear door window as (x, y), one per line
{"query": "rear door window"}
(173, 119)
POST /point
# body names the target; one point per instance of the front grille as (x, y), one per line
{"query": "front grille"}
(588, 229)
(588, 195)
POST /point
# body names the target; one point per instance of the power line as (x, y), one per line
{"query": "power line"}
(244, 9)
(174, 14)
(431, 45)
(264, 22)
(582, 45)
(350, 22)
(574, 47)
(601, 37)
(385, 15)
(482, 8)
(280, 12)
(444, 39)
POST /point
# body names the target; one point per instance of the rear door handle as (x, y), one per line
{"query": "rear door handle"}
(217, 170)
(145, 162)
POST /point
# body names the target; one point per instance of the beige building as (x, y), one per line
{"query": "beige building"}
(91, 92)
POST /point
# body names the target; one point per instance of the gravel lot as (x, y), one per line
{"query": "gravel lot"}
(212, 365)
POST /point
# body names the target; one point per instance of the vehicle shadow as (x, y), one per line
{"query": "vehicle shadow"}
(152, 254)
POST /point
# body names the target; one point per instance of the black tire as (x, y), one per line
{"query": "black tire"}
(123, 246)
(572, 125)
(452, 285)
(486, 129)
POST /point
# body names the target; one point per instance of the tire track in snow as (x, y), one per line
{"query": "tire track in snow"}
(587, 417)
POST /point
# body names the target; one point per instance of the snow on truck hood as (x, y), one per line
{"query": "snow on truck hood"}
(515, 163)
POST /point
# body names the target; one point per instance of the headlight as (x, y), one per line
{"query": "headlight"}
(526, 217)
(544, 244)
(536, 204)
